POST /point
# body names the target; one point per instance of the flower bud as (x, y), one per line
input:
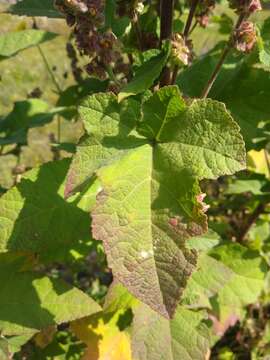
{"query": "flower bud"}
(180, 51)
(245, 37)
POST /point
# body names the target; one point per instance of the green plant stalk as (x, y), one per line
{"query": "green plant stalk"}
(57, 86)
(229, 46)
(166, 26)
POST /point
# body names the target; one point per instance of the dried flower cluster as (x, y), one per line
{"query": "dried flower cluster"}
(204, 10)
(87, 19)
(244, 38)
(246, 6)
(181, 50)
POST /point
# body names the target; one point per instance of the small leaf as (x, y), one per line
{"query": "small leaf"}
(145, 75)
(35, 8)
(30, 302)
(13, 42)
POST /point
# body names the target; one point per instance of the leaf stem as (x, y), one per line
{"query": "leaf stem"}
(250, 221)
(190, 18)
(137, 30)
(166, 26)
(57, 86)
(223, 56)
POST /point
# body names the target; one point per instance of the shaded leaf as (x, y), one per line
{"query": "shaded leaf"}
(13, 42)
(27, 114)
(206, 281)
(244, 287)
(263, 41)
(204, 242)
(36, 218)
(30, 302)
(35, 8)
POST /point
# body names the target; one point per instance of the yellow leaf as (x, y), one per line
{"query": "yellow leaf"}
(257, 161)
(102, 336)
(114, 347)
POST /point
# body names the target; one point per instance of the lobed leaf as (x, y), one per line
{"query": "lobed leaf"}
(142, 214)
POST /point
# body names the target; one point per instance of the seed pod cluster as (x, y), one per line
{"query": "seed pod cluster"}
(244, 37)
(87, 19)
(204, 10)
(246, 6)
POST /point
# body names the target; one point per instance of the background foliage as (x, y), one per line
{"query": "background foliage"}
(138, 279)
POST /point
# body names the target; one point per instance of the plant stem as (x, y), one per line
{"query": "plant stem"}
(186, 33)
(224, 55)
(216, 71)
(58, 129)
(57, 86)
(137, 30)
(250, 221)
(166, 26)
(190, 18)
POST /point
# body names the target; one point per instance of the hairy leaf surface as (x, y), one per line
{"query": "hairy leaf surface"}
(148, 203)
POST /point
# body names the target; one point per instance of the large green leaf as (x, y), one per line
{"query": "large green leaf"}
(184, 337)
(13, 42)
(30, 302)
(35, 217)
(35, 8)
(245, 285)
(145, 75)
(147, 204)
